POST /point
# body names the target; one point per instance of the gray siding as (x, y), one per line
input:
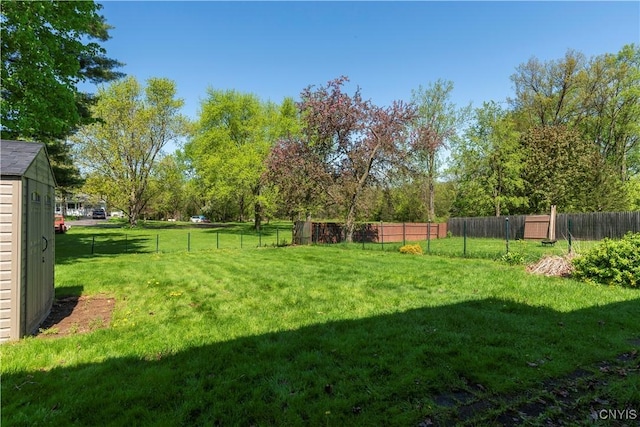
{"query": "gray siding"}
(10, 258)
(27, 203)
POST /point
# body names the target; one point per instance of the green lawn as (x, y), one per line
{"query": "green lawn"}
(316, 335)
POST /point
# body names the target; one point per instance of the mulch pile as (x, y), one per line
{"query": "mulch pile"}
(559, 266)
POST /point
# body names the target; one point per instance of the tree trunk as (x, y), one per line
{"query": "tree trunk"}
(430, 182)
(350, 224)
(432, 196)
(257, 216)
(241, 208)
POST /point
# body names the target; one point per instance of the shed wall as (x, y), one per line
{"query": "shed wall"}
(11, 260)
(27, 249)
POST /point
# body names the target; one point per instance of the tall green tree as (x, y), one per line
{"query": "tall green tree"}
(123, 148)
(168, 188)
(47, 48)
(435, 125)
(611, 108)
(564, 169)
(598, 98)
(549, 92)
(233, 137)
(488, 162)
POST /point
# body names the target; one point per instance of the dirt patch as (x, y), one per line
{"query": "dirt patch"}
(77, 315)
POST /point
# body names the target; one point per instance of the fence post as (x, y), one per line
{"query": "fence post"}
(157, 243)
(569, 233)
(364, 227)
(316, 227)
(240, 239)
(259, 238)
(506, 229)
(382, 234)
(464, 234)
(429, 236)
(217, 240)
(189, 241)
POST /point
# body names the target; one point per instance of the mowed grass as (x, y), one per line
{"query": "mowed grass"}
(156, 236)
(114, 238)
(318, 335)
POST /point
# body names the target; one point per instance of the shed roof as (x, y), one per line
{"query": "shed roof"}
(17, 156)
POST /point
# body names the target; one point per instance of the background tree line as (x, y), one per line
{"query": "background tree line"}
(569, 136)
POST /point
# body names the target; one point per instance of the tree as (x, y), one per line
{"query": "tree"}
(233, 138)
(435, 124)
(123, 148)
(488, 162)
(611, 108)
(599, 97)
(168, 188)
(345, 143)
(549, 92)
(563, 169)
(48, 47)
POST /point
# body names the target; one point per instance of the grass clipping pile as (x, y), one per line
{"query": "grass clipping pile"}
(557, 266)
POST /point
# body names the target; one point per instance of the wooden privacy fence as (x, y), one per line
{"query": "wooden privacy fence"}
(330, 232)
(584, 226)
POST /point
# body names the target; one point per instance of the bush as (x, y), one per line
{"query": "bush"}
(411, 249)
(612, 262)
(513, 258)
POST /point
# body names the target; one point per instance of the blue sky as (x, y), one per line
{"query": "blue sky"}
(275, 49)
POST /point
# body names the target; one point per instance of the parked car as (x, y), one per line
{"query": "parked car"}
(199, 219)
(58, 224)
(99, 214)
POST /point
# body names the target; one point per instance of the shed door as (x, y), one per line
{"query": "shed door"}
(38, 289)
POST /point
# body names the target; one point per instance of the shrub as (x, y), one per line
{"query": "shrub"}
(513, 258)
(612, 262)
(411, 249)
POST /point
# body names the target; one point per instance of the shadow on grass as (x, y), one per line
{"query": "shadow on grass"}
(87, 242)
(70, 246)
(396, 369)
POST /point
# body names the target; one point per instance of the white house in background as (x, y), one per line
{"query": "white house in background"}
(77, 205)
(27, 246)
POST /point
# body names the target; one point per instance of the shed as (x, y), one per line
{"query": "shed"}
(27, 250)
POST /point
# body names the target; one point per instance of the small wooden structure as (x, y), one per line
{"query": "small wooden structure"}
(27, 246)
(541, 227)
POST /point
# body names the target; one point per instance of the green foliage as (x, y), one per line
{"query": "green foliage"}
(563, 168)
(633, 193)
(47, 49)
(513, 258)
(598, 100)
(436, 124)
(488, 163)
(122, 150)
(411, 249)
(232, 140)
(168, 189)
(612, 262)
